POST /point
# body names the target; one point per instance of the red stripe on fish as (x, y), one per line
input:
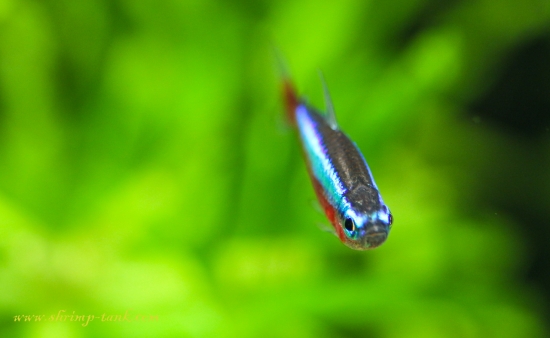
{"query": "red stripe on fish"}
(329, 209)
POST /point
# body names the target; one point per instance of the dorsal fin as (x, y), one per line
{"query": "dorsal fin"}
(330, 115)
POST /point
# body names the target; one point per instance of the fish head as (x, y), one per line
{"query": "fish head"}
(365, 228)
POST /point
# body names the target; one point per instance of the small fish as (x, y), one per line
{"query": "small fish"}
(340, 175)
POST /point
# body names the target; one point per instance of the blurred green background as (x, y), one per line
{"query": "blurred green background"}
(146, 168)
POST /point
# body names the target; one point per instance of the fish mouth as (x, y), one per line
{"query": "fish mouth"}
(375, 240)
(375, 237)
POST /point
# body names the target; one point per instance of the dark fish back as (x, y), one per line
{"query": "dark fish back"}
(349, 165)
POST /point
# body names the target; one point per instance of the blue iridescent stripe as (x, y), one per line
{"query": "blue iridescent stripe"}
(321, 164)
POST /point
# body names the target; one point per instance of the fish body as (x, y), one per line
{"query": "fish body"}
(340, 175)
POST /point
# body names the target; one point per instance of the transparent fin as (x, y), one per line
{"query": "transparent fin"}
(327, 228)
(316, 206)
(330, 115)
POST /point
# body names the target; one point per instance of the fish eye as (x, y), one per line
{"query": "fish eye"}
(349, 225)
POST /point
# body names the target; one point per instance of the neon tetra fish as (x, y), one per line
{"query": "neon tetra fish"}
(340, 175)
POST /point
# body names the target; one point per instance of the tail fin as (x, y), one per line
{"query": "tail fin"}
(291, 100)
(289, 94)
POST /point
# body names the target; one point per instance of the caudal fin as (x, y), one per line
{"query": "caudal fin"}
(291, 101)
(289, 94)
